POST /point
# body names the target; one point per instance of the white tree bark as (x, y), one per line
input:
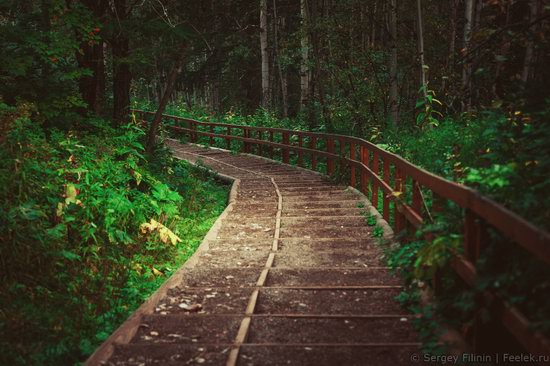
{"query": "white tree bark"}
(266, 91)
(467, 69)
(423, 66)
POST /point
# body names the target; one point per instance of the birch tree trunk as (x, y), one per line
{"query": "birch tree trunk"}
(393, 64)
(423, 66)
(467, 69)
(304, 65)
(266, 95)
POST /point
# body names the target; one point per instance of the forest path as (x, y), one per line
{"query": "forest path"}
(292, 275)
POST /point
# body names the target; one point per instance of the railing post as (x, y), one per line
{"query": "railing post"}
(193, 126)
(352, 167)
(271, 147)
(260, 147)
(286, 141)
(399, 186)
(313, 146)
(342, 161)
(211, 137)
(376, 171)
(416, 198)
(330, 160)
(363, 159)
(385, 198)
(437, 206)
(228, 138)
(246, 135)
(475, 236)
(300, 153)
(197, 136)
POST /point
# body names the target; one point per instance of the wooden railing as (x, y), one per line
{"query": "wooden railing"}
(384, 178)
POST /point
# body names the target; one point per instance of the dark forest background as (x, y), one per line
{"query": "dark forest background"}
(458, 87)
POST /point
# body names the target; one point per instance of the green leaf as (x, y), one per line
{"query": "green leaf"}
(70, 255)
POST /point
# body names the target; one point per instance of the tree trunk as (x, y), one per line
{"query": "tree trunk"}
(170, 83)
(92, 88)
(393, 64)
(304, 65)
(423, 66)
(452, 45)
(122, 76)
(373, 25)
(528, 58)
(282, 78)
(467, 68)
(266, 95)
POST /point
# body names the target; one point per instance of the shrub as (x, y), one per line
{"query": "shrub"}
(74, 262)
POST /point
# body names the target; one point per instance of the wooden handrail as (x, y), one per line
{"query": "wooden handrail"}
(364, 160)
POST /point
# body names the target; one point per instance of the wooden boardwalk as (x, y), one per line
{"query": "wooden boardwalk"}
(289, 275)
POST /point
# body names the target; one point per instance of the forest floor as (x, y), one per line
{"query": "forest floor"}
(290, 274)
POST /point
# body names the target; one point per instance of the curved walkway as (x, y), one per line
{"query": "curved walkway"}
(290, 275)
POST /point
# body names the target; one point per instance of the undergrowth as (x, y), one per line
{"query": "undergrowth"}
(90, 227)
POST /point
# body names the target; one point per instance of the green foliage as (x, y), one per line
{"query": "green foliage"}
(427, 111)
(74, 262)
(371, 220)
(40, 42)
(435, 254)
(378, 232)
(503, 155)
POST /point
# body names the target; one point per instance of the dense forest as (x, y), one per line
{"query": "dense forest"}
(458, 87)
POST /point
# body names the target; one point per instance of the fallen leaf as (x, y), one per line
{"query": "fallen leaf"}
(190, 308)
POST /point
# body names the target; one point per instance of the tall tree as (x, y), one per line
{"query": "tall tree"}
(423, 66)
(304, 62)
(467, 59)
(170, 83)
(450, 60)
(266, 91)
(394, 107)
(282, 73)
(529, 48)
(92, 57)
(122, 76)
